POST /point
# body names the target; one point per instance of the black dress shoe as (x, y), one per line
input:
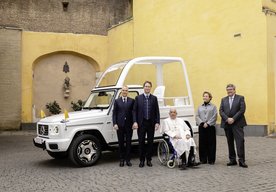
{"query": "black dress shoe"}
(121, 163)
(243, 165)
(211, 163)
(231, 163)
(142, 164)
(128, 163)
(203, 162)
(149, 163)
(183, 167)
(194, 164)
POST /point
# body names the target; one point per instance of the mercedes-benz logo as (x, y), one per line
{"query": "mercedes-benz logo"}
(42, 130)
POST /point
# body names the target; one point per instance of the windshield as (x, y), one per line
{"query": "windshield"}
(99, 100)
(111, 75)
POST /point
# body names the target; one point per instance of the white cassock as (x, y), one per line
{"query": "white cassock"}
(190, 142)
(177, 127)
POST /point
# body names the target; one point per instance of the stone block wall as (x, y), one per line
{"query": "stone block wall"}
(10, 79)
(64, 16)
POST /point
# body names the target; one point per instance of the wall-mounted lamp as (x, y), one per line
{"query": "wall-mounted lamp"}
(65, 5)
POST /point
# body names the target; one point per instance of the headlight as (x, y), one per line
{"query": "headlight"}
(55, 129)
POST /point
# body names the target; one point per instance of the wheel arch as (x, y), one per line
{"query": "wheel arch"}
(95, 133)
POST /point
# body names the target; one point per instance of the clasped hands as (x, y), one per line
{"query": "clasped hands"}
(230, 121)
(177, 137)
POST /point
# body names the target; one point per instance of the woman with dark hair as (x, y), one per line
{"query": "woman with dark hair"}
(206, 118)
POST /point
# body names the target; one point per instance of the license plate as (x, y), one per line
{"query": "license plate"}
(38, 140)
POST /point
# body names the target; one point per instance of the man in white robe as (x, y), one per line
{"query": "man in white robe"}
(180, 137)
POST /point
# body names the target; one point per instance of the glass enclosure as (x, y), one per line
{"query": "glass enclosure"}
(99, 100)
(111, 76)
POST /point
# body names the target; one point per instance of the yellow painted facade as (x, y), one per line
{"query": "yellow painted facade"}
(120, 42)
(36, 45)
(271, 63)
(221, 42)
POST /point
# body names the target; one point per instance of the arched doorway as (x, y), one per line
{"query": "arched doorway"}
(49, 73)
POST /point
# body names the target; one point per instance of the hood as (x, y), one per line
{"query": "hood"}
(76, 115)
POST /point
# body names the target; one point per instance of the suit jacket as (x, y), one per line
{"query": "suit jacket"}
(122, 113)
(236, 112)
(138, 110)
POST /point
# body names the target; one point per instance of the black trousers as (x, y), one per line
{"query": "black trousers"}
(148, 129)
(236, 134)
(124, 135)
(207, 144)
(191, 157)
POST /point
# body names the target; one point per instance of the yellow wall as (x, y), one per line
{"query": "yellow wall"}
(120, 42)
(271, 59)
(35, 45)
(203, 34)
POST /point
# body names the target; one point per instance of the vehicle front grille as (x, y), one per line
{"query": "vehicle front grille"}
(43, 130)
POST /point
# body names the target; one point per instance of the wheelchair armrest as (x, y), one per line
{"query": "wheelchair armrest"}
(165, 136)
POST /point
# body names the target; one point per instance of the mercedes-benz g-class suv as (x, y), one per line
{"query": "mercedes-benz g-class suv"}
(85, 134)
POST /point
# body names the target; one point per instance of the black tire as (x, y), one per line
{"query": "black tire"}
(58, 155)
(85, 150)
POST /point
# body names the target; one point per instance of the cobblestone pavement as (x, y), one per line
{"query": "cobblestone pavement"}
(24, 167)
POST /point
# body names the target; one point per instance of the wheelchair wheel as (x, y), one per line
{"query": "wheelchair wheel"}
(163, 152)
(171, 164)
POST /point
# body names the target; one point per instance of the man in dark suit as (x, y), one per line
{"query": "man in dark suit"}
(122, 122)
(232, 109)
(146, 119)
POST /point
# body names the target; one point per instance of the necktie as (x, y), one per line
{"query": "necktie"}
(124, 100)
(230, 102)
(147, 107)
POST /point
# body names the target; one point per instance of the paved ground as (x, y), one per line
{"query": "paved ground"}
(26, 168)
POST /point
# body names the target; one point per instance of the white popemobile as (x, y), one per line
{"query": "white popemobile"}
(85, 134)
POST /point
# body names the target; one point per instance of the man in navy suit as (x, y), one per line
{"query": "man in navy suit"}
(232, 109)
(146, 119)
(122, 122)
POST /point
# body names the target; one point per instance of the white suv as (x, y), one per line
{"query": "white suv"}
(85, 134)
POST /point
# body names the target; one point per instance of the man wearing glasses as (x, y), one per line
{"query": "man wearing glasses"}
(146, 120)
(232, 109)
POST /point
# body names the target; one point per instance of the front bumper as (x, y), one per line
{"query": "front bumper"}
(54, 145)
(39, 145)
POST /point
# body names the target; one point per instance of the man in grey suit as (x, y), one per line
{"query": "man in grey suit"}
(232, 109)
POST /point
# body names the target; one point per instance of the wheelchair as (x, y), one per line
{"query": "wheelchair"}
(166, 153)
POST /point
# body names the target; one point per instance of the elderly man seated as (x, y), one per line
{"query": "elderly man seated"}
(180, 138)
